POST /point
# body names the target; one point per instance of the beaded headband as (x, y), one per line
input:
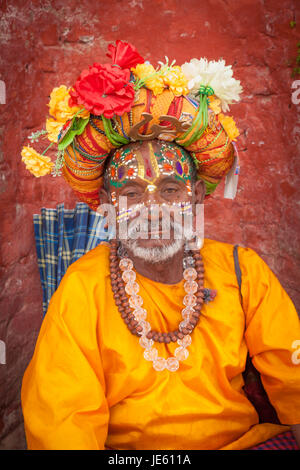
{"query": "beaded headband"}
(128, 100)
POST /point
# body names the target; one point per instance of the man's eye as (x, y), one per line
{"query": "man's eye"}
(170, 190)
(132, 194)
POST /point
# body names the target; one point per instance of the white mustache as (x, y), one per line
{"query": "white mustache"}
(142, 227)
(156, 254)
(145, 229)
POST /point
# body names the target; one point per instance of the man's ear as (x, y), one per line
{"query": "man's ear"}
(104, 196)
(105, 201)
(199, 191)
(105, 207)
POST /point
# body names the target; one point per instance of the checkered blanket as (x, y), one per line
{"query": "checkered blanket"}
(62, 236)
(284, 441)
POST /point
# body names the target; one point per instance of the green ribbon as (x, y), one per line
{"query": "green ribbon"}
(206, 90)
(116, 139)
(210, 187)
(200, 123)
(77, 127)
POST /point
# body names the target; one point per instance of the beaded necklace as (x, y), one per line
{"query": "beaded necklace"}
(123, 282)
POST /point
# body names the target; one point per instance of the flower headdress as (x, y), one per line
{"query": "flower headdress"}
(115, 103)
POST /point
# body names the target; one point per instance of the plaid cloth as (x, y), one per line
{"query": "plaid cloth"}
(62, 236)
(284, 441)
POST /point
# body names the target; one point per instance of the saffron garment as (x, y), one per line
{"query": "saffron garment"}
(88, 385)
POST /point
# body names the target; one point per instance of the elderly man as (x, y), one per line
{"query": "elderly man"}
(146, 339)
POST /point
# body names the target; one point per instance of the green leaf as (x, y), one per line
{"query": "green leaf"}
(296, 71)
(77, 128)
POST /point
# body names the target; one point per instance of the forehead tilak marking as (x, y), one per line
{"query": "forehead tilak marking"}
(148, 169)
(151, 188)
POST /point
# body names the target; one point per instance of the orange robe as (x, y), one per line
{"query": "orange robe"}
(88, 385)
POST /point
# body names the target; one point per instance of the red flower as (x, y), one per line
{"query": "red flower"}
(124, 54)
(103, 90)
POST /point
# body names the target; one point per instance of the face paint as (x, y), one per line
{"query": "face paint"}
(151, 188)
(128, 163)
(123, 167)
(189, 187)
(174, 161)
(167, 160)
(124, 214)
(114, 198)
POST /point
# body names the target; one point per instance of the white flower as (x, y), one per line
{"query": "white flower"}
(215, 74)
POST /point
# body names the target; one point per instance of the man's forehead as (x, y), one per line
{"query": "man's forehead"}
(148, 162)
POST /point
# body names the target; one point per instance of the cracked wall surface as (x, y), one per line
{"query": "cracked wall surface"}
(47, 43)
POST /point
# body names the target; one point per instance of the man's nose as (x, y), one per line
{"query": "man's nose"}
(152, 209)
(151, 197)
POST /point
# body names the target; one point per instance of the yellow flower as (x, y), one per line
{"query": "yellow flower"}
(59, 105)
(37, 164)
(150, 77)
(214, 104)
(175, 79)
(53, 128)
(229, 126)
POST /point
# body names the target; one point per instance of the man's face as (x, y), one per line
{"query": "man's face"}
(151, 188)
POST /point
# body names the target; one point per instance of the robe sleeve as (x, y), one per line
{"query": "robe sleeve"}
(272, 335)
(63, 390)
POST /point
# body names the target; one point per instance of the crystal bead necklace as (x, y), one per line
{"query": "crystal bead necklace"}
(130, 305)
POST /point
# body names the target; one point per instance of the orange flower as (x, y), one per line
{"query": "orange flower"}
(53, 128)
(147, 74)
(177, 82)
(59, 105)
(37, 164)
(214, 104)
(229, 126)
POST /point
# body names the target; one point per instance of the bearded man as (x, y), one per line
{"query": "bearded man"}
(146, 339)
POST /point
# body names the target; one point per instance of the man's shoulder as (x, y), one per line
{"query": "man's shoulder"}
(216, 250)
(221, 254)
(94, 263)
(72, 298)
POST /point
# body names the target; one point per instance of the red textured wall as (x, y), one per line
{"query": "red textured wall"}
(47, 43)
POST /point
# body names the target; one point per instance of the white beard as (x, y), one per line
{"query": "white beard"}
(154, 254)
(159, 253)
